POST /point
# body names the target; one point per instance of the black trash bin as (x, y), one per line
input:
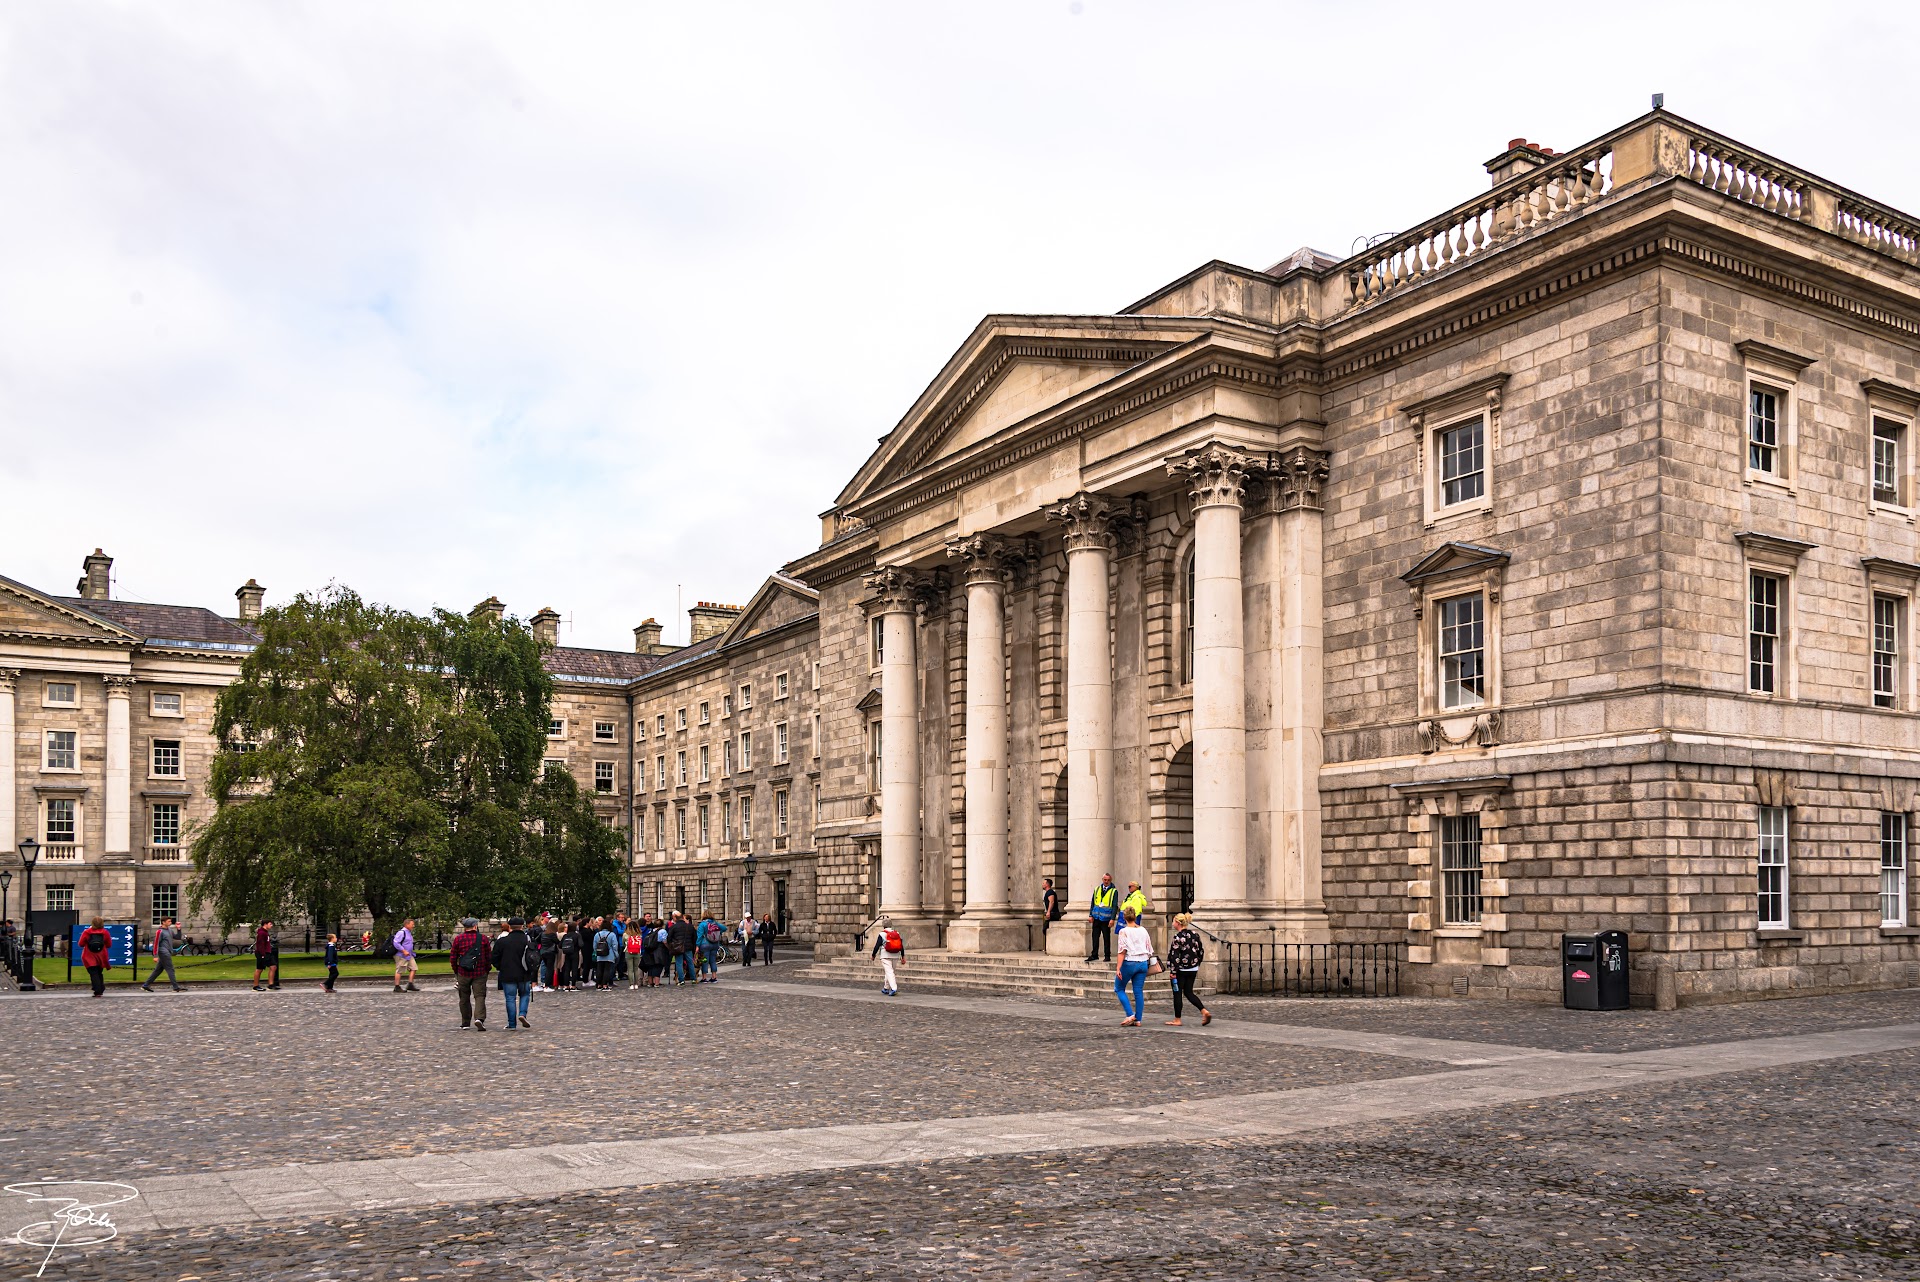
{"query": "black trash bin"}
(1593, 971)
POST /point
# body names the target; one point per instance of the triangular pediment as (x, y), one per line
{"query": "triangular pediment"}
(780, 601)
(870, 702)
(1451, 559)
(27, 613)
(1012, 371)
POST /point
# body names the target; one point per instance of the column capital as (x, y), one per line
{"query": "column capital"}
(119, 687)
(7, 678)
(1297, 479)
(1089, 520)
(984, 558)
(1216, 474)
(896, 590)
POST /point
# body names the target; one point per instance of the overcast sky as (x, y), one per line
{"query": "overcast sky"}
(576, 303)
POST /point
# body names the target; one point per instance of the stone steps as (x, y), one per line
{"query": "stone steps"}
(1012, 974)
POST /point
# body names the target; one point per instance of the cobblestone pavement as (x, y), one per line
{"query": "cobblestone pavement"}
(1799, 1173)
(143, 1084)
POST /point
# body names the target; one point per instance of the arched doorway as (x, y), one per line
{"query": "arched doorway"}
(1173, 855)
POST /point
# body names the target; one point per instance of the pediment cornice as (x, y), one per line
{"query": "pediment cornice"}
(92, 629)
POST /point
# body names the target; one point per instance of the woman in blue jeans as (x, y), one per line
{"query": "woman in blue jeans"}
(1133, 950)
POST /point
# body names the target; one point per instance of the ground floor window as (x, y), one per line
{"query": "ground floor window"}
(1893, 870)
(1460, 869)
(166, 902)
(1772, 858)
(59, 899)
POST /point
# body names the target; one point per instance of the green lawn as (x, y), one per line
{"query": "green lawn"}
(192, 970)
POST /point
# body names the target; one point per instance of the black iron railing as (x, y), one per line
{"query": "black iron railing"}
(13, 955)
(1265, 968)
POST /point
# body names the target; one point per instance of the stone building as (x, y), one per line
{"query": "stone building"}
(106, 740)
(727, 738)
(1548, 567)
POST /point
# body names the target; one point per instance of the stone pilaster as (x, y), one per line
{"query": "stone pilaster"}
(119, 774)
(1090, 801)
(9, 783)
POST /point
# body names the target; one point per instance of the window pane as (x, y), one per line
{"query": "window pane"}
(1893, 869)
(1886, 650)
(1462, 653)
(60, 821)
(1763, 431)
(1886, 461)
(1763, 633)
(166, 824)
(1460, 869)
(1772, 862)
(62, 753)
(1462, 465)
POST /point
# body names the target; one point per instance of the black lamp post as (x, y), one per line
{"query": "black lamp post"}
(752, 864)
(6, 883)
(29, 856)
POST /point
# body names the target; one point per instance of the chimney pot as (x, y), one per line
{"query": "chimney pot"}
(95, 583)
(546, 626)
(646, 638)
(250, 595)
(493, 609)
(709, 618)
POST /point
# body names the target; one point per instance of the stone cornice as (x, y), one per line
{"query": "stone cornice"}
(1773, 545)
(1878, 389)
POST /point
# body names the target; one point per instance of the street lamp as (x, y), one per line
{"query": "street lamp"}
(29, 856)
(752, 864)
(6, 881)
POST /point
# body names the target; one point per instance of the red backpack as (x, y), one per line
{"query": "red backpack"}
(894, 943)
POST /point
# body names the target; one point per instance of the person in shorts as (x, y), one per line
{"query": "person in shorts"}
(266, 956)
(404, 961)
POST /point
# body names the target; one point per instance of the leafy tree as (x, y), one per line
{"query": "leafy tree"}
(380, 760)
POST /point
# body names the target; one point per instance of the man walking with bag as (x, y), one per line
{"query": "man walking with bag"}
(472, 958)
(517, 958)
(165, 940)
(889, 947)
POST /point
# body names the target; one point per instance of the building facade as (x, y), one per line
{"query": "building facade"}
(106, 744)
(1546, 568)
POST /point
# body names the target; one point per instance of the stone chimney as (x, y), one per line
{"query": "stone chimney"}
(646, 638)
(250, 594)
(1518, 158)
(493, 609)
(94, 584)
(546, 626)
(709, 619)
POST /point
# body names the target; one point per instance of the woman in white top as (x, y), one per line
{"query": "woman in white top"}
(1134, 955)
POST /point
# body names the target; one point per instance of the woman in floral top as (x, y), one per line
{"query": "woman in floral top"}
(1184, 955)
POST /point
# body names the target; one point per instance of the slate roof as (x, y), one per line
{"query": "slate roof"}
(600, 665)
(192, 624)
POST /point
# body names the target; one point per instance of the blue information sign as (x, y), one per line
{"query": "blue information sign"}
(120, 954)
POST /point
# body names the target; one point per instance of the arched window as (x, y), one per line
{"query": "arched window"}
(1186, 641)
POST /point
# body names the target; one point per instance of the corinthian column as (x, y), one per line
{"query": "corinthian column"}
(1216, 477)
(9, 786)
(1293, 858)
(119, 781)
(987, 925)
(1089, 521)
(895, 603)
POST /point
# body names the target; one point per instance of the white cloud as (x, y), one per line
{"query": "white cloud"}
(576, 303)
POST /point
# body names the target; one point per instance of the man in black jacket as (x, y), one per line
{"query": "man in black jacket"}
(517, 958)
(682, 939)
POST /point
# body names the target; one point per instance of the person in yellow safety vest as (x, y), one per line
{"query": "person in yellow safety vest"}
(1136, 902)
(1101, 912)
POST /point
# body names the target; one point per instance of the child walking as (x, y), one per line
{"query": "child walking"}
(333, 961)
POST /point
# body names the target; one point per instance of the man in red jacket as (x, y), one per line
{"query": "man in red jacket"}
(472, 957)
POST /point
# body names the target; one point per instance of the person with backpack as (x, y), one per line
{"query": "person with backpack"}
(1185, 952)
(517, 958)
(619, 928)
(1101, 912)
(606, 949)
(403, 959)
(472, 958)
(682, 942)
(569, 945)
(165, 940)
(634, 942)
(889, 947)
(549, 960)
(266, 956)
(713, 937)
(96, 947)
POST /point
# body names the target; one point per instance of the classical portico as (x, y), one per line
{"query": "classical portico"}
(1098, 632)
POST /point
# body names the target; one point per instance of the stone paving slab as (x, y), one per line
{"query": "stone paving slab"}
(1805, 1173)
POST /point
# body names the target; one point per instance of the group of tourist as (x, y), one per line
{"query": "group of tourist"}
(553, 955)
